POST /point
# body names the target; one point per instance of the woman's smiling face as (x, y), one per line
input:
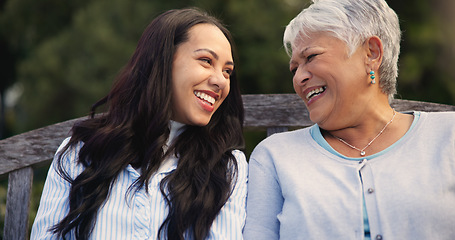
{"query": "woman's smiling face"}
(201, 75)
(331, 83)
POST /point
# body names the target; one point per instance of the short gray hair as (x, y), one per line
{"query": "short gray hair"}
(353, 21)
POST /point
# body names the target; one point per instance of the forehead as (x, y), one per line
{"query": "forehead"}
(324, 40)
(208, 36)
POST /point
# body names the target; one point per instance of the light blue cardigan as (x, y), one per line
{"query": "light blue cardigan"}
(299, 190)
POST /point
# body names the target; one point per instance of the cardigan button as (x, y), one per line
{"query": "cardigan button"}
(379, 237)
(371, 190)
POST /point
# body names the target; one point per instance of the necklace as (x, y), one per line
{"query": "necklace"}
(362, 151)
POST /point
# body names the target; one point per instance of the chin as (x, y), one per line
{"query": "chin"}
(313, 116)
(316, 118)
(200, 122)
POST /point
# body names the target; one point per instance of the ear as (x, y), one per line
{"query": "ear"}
(375, 51)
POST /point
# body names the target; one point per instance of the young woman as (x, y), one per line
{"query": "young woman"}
(161, 163)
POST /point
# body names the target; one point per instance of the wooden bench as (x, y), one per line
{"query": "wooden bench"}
(21, 153)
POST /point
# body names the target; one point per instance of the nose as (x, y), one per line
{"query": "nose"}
(219, 80)
(301, 76)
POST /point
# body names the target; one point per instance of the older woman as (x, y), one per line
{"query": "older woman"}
(363, 170)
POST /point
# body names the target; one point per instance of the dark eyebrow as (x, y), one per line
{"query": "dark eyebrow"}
(214, 55)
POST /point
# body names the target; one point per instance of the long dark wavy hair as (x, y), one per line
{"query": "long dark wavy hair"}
(135, 128)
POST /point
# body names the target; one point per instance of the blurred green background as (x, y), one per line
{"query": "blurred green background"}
(57, 57)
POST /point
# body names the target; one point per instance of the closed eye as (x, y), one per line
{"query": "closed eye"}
(206, 60)
(311, 57)
(228, 72)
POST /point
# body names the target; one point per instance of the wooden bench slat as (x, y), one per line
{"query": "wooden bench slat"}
(288, 110)
(18, 204)
(274, 110)
(34, 147)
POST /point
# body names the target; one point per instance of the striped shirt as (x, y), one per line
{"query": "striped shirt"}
(138, 214)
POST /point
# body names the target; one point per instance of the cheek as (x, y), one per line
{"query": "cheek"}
(226, 91)
(295, 85)
(298, 90)
(223, 97)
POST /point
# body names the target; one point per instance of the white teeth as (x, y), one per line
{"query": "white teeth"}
(205, 97)
(315, 92)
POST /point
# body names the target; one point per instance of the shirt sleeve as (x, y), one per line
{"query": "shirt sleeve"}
(54, 205)
(265, 201)
(230, 221)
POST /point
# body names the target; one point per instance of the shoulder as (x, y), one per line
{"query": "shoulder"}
(239, 155)
(435, 127)
(286, 137)
(242, 164)
(67, 158)
(443, 120)
(283, 140)
(241, 175)
(281, 149)
(69, 150)
(439, 115)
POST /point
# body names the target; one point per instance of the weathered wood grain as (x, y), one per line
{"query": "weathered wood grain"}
(274, 110)
(288, 110)
(18, 203)
(408, 105)
(31, 148)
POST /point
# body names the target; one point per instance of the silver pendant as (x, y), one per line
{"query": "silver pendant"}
(362, 153)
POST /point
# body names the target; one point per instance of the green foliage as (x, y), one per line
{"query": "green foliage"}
(74, 68)
(426, 71)
(258, 26)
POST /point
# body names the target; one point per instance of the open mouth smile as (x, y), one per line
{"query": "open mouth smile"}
(315, 92)
(205, 97)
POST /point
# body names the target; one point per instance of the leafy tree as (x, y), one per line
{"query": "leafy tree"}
(74, 68)
(24, 24)
(7, 64)
(425, 71)
(258, 27)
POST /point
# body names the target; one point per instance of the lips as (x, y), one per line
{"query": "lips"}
(315, 92)
(205, 97)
